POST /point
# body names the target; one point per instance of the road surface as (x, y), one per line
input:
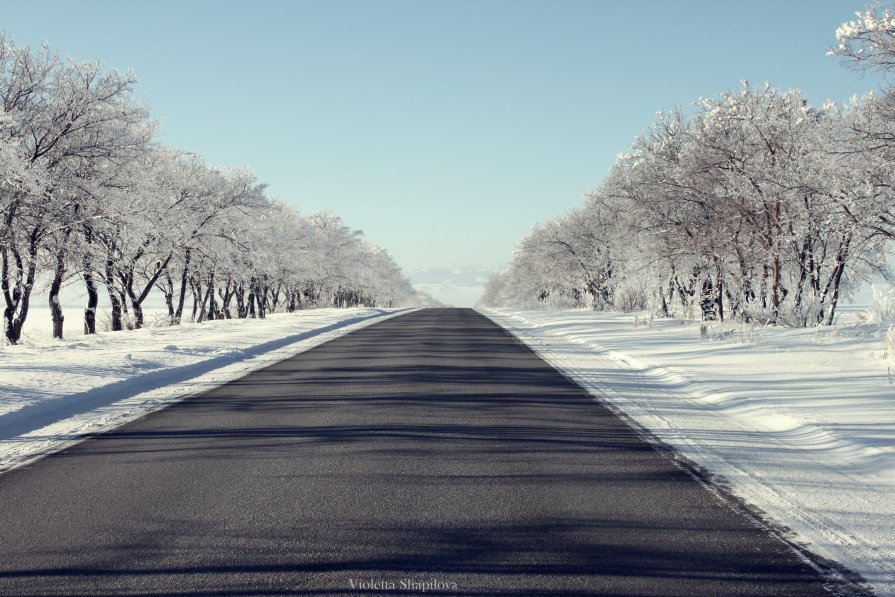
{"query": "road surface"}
(429, 452)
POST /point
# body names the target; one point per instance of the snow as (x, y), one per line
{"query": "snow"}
(798, 423)
(55, 392)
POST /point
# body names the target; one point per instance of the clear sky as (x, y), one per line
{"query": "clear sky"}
(443, 129)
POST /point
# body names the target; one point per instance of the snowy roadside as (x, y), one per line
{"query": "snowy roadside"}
(799, 424)
(53, 393)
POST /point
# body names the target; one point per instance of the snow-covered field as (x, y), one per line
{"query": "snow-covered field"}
(799, 424)
(54, 392)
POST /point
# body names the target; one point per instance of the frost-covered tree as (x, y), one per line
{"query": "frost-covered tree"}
(868, 42)
(749, 208)
(86, 191)
(19, 183)
(70, 119)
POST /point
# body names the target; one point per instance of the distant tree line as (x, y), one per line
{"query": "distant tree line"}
(87, 192)
(755, 207)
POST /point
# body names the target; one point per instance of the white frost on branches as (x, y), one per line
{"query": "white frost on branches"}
(867, 43)
(86, 192)
(758, 207)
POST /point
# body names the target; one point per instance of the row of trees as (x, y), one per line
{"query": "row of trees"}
(87, 194)
(757, 206)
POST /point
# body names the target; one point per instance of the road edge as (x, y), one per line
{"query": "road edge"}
(42, 442)
(839, 579)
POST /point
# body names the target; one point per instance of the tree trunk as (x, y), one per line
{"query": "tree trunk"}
(775, 283)
(138, 314)
(212, 301)
(18, 297)
(719, 293)
(90, 283)
(240, 301)
(114, 300)
(184, 274)
(125, 314)
(169, 297)
(196, 287)
(92, 302)
(290, 307)
(203, 313)
(135, 303)
(707, 300)
(833, 285)
(251, 298)
(115, 303)
(128, 283)
(12, 298)
(251, 305)
(275, 298)
(55, 287)
(262, 299)
(137, 299)
(763, 285)
(226, 296)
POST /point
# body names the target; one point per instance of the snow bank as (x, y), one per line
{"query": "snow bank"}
(798, 423)
(53, 393)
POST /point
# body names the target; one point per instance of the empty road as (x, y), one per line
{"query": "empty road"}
(426, 452)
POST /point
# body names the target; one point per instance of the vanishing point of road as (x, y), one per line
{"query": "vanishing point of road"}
(427, 448)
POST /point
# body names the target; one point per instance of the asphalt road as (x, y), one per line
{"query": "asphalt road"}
(426, 448)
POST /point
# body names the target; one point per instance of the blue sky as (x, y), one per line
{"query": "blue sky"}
(444, 130)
